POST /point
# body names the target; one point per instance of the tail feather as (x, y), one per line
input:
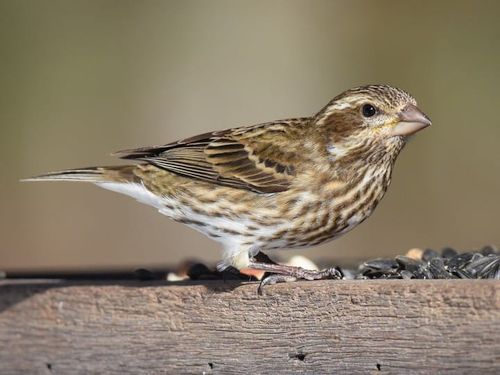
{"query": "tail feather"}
(92, 174)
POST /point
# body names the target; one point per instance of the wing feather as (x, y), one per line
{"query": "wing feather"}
(259, 158)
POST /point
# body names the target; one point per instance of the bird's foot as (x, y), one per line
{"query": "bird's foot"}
(282, 273)
(274, 279)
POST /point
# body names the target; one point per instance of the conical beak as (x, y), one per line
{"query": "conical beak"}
(411, 120)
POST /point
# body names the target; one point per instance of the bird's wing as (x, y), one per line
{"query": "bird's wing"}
(260, 158)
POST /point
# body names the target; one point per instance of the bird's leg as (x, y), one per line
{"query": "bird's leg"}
(268, 278)
(284, 273)
(260, 257)
(297, 272)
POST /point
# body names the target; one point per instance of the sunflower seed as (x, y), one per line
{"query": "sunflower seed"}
(429, 254)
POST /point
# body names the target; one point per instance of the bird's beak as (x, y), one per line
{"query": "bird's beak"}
(411, 120)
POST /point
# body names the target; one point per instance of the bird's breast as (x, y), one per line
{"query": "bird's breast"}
(323, 214)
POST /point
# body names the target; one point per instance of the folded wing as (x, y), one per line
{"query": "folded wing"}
(260, 158)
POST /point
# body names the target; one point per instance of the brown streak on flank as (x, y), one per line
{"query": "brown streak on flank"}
(215, 214)
(306, 207)
(168, 206)
(191, 222)
(230, 231)
(198, 211)
(322, 232)
(325, 219)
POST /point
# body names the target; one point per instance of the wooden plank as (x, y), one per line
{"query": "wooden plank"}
(391, 326)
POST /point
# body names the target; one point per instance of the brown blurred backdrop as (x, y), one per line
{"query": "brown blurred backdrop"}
(80, 79)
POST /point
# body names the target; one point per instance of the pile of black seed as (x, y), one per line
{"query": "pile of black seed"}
(430, 264)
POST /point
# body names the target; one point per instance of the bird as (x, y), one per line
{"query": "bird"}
(285, 184)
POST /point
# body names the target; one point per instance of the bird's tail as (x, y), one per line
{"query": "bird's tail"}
(123, 173)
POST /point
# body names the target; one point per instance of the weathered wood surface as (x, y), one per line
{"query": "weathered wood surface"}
(422, 326)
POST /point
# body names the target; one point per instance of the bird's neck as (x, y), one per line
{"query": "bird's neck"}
(347, 163)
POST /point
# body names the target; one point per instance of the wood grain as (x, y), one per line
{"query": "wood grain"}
(380, 326)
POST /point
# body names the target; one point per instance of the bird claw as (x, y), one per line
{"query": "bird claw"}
(274, 279)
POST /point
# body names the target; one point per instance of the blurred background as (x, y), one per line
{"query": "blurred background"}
(82, 78)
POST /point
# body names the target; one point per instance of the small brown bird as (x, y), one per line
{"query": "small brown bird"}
(285, 184)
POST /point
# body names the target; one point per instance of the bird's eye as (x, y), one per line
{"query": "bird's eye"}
(368, 110)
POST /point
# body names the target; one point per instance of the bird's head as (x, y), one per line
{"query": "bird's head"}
(374, 119)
